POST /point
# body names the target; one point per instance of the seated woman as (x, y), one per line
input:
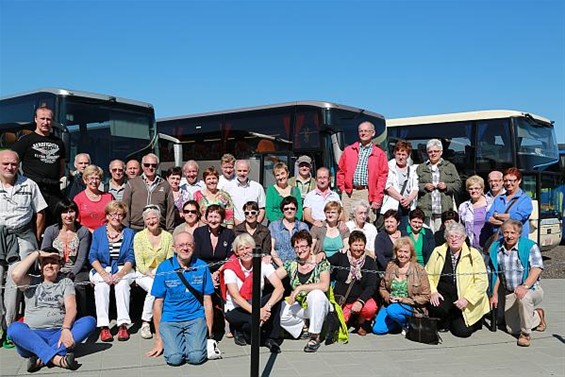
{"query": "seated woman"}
(72, 241)
(112, 259)
(213, 244)
(151, 246)
(280, 190)
(331, 237)
(404, 287)
(49, 331)
(424, 242)
(212, 195)
(448, 217)
(91, 202)
(310, 282)
(259, 232)
(359, 216)
(458, 284)
(237, 290)
(191, 214)
(283, 230)
(385, 240)
(354, 282)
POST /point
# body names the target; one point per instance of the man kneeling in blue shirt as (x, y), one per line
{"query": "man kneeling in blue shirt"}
(182, 312)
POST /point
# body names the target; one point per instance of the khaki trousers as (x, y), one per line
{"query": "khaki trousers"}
(356, 195)
(520, 315)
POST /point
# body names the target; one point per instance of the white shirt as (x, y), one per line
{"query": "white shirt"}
(19, 203)
(231, 278)
(243, 193)
(223, 181)
(316, 201)
(369, 230)
(184, 185)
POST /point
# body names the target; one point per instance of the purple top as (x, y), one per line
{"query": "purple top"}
(478, 223)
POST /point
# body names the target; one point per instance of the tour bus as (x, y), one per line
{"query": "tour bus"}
(265, 135)
(481, 141)
(106, 127)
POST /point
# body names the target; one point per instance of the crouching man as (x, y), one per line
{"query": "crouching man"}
(519, 265)
(182, 312)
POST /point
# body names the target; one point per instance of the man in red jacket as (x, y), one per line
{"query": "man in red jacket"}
(363, 169)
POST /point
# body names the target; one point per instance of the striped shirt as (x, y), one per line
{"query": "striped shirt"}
(361, 175)
(512, 268)
(115, 248)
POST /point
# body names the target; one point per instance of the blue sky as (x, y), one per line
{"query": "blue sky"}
(398, 58)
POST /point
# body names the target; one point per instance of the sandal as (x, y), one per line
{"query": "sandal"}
(312, 346)
(34, 364)
(67, 362)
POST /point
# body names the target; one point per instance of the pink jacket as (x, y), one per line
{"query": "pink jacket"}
(378, 171)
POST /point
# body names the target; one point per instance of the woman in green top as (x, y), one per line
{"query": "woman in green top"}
(310, 281)
(281, 189)
(423, 238)
(404, 286)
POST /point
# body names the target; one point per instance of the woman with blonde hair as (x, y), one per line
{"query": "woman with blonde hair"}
(472, 213)
(332, 236)
(91, 202)
(404, 287)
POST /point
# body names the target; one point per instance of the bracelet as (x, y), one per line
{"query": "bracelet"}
(65, 328)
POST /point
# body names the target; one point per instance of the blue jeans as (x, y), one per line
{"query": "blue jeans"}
(43, 342)
(392, 317)
(184, 341)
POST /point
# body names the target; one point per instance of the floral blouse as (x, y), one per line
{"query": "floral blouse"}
(222, 198)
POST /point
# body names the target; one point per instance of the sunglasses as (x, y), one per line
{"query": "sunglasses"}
(250, 213)
(146, 165)
(289, 209)
(191, 211)
(115, 170)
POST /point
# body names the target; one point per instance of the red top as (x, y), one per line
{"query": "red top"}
(91, 214)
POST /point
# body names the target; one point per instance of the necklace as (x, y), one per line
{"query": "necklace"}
(115, 237)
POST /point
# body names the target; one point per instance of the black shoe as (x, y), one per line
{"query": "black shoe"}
(239, 338)
(272, 345)
(33, 364)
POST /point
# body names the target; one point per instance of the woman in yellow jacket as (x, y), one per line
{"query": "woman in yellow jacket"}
(458, 284)
(151, 246)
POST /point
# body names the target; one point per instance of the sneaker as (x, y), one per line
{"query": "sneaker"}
(542, 325)
(145, 331)
(123, 333)
(106, 335)
(524, 340)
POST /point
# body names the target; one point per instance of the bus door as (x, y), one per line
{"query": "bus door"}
(265, 162)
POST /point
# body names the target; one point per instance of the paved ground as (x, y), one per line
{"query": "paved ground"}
(484, 354)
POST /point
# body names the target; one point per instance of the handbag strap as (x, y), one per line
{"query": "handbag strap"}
(406, 181)
(199, 296)
(348, 291)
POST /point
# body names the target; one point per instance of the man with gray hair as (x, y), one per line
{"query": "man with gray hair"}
(117, 183)
(190, 182)
(243, 190)
(146, 189)
(438, 182)
(76, 183)
(495, 185)
(20, 200)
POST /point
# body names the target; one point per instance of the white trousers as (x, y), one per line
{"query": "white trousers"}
(293, 316)
(146, 282)
(102, 297)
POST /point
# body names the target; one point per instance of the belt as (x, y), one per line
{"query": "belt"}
(363, 187)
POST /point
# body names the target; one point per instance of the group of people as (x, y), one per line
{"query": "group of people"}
(189, 245)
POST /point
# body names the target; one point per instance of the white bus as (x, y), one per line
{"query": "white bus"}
(481, 141)
(264, 135)
(106, 127)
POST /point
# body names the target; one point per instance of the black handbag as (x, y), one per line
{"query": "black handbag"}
(423, 330)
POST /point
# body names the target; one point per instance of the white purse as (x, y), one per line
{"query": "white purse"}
(213, 350)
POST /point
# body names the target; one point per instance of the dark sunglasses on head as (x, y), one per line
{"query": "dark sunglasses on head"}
(146, 165)
(252, 213)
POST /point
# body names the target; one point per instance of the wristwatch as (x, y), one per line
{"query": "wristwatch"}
(526, 286)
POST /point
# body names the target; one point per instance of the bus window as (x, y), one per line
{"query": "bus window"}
(307, 130)
(494, 146)
(535, 144)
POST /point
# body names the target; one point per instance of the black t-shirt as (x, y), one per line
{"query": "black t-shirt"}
(41, 157)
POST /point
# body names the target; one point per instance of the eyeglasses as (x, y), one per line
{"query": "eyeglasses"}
(434, 151)
(190, 211)
(301, 247)
(289, 209)
(116, 215)
(455, 237)
(115, 170)
(250, 213)
(146, 165)
(184, 245)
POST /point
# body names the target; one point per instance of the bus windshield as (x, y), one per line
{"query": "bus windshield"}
(107, 130)
(536, 147)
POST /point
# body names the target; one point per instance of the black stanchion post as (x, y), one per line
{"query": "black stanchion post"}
(255, 314)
